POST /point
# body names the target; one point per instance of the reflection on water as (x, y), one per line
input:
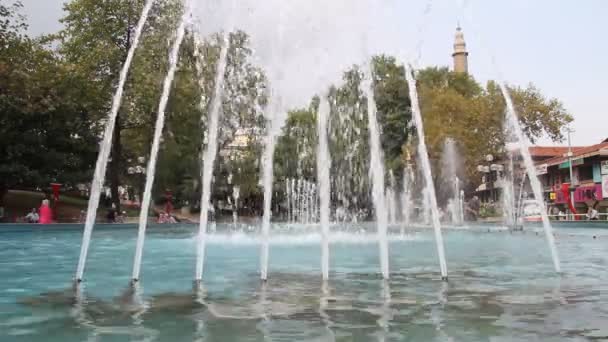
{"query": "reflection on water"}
(501, 288)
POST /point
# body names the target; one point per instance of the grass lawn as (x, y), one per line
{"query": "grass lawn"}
(67, 210)
(19, 202)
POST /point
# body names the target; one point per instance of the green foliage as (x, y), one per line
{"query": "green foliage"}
(54, 103)
(455, 105)
(348, 133)
(394, 110)
(45, 129)
(296, 147)
(244, 96)
(97, 37)
(12, 24)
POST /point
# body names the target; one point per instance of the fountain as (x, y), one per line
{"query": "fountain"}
(236, 192)
(426, 168)
(210, 153)
(323, 167)
(306, 200)
(514, 125)
(406, 197)
(269, 147)
(299, 303)
(301, 201)
(288, 195)
(105, 146)
(158, 131)
(451, 182)
(391, 200)
(377, 171)
(508, 195)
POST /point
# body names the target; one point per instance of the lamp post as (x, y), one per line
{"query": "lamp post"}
(569, 131)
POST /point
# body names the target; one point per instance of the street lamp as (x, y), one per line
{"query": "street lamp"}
(569, 131)
(487, 170)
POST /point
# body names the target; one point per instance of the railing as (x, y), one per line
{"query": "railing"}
(579, 217)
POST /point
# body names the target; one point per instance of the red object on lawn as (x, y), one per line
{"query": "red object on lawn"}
(56, 187)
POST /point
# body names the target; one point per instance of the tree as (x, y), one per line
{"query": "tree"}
(96, 39)
(348, 133)
(455, 105)
(46, 130)
(296, 147)
(244, 99)
(394, 110)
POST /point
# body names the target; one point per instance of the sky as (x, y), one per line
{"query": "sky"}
(305, 45)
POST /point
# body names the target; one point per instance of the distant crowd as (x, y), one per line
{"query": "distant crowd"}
(44, 215)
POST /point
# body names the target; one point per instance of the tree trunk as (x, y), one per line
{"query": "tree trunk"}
(3, 213)
(116, 164)
(3, 191)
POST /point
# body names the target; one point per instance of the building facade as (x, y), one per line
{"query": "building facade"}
(589, 183)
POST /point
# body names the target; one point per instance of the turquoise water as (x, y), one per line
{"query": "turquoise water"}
(501, 287)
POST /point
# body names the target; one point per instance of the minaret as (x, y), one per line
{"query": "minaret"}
(460, 55)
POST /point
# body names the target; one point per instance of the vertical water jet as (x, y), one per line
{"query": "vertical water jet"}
(324, 185)
(210, 153)
(158, 131)
(268, 161)
(423, 155)
(513, 122)
(377, 170)
(105, 147)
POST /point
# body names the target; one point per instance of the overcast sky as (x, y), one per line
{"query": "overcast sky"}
(560, 46)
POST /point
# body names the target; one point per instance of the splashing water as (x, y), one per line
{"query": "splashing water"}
(426, 168)
(158, 131)
(104, 151)
(513, 122)
(426, 206)
(450, 165)
(323, 167)
(406, 198)
(267, 181)
(210, 154)
(377, 171)
(236, 193)
(288, 198)
(391, 200)
(508, 195)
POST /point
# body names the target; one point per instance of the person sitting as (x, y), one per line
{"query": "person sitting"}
(111, 216)
(162, 218)
(592, 213)
(46, 214)
(32, 216)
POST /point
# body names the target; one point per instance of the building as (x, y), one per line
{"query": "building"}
(241, 141)
(460, 55)
(589, 181)
(490, 189)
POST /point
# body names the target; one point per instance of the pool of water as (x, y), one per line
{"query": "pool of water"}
(501, 287)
